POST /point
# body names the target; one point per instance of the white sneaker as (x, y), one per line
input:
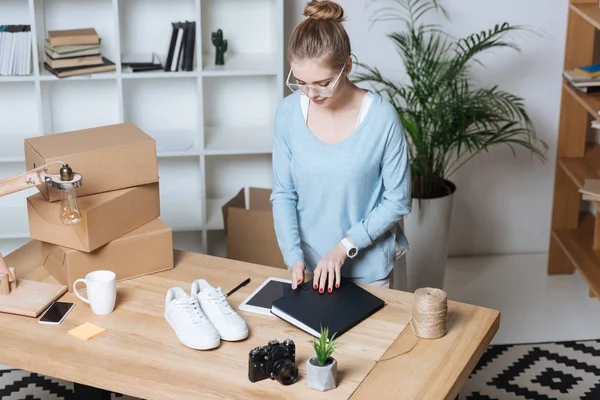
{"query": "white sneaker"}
(191, 326)
(230, 325)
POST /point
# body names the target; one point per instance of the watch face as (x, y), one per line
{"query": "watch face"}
(352, 252)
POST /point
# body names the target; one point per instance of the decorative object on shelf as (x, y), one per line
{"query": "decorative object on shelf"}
(220, 45)
(321, 369)
(429, 312)
(447, 122)
(31, 297)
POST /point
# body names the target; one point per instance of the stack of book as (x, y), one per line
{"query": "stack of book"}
(180, 56)
(15, 50)
(590, 190)
(74, 52)
(585, 78)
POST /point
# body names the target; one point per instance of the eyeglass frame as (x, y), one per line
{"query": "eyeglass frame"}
(308, 87)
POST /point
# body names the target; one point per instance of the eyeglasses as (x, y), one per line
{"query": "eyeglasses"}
(321, 91)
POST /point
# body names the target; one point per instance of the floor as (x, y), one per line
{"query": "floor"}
(535, 307)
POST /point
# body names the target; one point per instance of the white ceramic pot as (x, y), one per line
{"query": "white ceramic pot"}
(321, 377)
(427, 229)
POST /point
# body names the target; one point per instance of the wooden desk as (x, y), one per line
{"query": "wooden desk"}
(140, 355)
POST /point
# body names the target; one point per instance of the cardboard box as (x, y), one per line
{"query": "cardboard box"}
(104, 217)
(144, 251)
(108, 158)
(250, 233)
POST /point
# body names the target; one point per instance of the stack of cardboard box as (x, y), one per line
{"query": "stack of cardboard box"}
(119, 200)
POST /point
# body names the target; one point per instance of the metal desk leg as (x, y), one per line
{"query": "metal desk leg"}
(83, 392)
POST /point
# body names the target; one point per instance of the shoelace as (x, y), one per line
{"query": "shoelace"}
(217, 298)
(192, 309)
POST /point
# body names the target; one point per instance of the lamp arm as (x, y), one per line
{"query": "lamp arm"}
(29, 179)
(3, 266)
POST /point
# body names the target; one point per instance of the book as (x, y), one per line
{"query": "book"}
(106, 66)
(66, 62)
(71, 37)
(591, 190)
(15, 50)
(592, 70)
(340, 311)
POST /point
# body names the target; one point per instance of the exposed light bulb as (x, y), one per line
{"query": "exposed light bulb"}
(69, 209)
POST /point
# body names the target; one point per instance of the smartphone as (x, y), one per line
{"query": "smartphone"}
(56, 312)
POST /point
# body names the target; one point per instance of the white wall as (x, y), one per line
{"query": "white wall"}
(503, 204)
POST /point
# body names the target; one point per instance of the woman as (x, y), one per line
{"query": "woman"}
(341, 175)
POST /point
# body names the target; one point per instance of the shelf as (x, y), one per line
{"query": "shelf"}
(176, 142)
(225, 141)
(214, 213)
(46, 76)
(580, 169)
(577, 245)
(69, 14)
(252, 107)
(158, 75)
(588, 11)
(240, 65)
(161, 107)
(226, 175)
(18, 99)
(179, 193)
(74, 105)
(13, 148)
(15, 223)
(248, 26)
(591, 102)
(139, 38)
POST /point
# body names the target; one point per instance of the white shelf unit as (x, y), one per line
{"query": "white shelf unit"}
(212, 125)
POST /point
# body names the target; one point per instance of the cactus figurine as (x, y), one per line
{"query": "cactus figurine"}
(221, 46)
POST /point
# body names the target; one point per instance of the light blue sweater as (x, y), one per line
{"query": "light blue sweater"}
(359, 187)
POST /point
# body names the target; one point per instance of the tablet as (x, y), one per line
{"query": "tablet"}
(261, 299)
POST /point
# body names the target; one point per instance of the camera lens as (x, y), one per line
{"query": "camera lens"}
(285, 371)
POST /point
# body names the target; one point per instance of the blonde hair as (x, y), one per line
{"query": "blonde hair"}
(321, 35)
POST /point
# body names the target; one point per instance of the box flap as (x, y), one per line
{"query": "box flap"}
(250, 224)
(260, 199)
(54, 263)
(86, 140)
(238, 201)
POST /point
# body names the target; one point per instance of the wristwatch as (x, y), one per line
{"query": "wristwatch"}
(351, 250)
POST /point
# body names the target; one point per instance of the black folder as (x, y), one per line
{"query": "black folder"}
(340, 310)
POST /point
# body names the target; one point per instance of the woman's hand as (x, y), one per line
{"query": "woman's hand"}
(328, 270)
(297, 274)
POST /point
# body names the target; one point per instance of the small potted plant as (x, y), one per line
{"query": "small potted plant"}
(322, 367)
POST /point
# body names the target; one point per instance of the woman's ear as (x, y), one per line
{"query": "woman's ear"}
(348, 67)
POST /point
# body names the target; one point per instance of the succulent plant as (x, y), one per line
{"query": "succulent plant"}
(221, 46)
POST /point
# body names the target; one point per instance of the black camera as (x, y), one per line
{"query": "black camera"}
(275, 360)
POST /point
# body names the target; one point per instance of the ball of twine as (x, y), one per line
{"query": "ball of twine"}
(429, 311)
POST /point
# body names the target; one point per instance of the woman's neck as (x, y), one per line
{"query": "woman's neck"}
(349, 95)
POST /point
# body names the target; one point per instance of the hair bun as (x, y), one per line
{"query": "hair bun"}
(324, 10)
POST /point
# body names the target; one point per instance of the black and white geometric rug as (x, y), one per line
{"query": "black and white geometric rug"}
(16, 384)
(537, 371)
(534, 371)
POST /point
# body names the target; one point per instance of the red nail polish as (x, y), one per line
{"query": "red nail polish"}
(299, 280)
(315, 286)
(337, 285)
(321, 290)
(329, 290)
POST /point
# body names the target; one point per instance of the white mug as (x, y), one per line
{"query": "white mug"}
(101, 291)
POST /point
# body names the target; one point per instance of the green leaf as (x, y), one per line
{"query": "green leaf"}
(448, 119)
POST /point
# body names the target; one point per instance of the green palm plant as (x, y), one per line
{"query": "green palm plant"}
(448, 120)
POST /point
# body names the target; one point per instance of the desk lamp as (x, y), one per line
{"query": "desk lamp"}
(66, 181)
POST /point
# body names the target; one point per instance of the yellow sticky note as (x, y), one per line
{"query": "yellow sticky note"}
(86, 331)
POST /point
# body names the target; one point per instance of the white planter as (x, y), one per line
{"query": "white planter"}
(427, 229)
(323, 377)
